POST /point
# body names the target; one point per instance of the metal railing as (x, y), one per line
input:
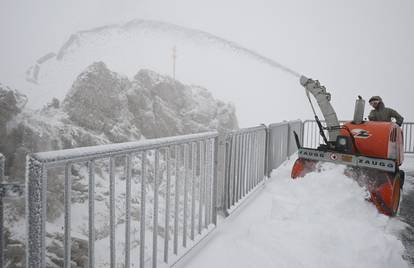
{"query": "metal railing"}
(281, 143)
(408, 137)
(177, 174)
(146, 203)
(244, 164)
(312, 139)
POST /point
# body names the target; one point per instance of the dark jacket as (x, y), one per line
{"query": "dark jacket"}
(382, 113)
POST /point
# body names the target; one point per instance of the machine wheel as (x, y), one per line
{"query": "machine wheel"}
(302, 167)
(387, 196)
(396, 194)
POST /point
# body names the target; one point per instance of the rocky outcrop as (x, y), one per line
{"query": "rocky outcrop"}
(104, 107)
(151, 104)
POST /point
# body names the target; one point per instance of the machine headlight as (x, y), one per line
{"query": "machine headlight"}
(342, 141)
(343, 144)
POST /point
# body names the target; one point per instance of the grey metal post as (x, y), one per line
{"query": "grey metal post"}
(68, 201)
(155, 223)
(142, 223)
(176, 197)
(128, 212)
(267, 150)
(36, 211)
(167, 205)
(91, 220)
(186, 166)
(193, 188)
(215, 178)
(220, 153)
(2, 245)
(288, 141)
(2, 164)
(201, 186)
(112, 211)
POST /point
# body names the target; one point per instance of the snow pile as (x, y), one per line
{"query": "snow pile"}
(321, 220)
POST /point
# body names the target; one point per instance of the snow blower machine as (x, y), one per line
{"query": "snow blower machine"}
(372, 151)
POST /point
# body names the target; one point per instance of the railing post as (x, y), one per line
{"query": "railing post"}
(36, 213)
(218, 176)
(1, 213)
(2, 164)
(288, 141)
(267, 147)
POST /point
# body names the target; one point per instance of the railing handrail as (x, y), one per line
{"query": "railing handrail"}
(60, 157)
(246, 130)
(342, 121)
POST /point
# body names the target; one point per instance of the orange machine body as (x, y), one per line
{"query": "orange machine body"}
(377, 139)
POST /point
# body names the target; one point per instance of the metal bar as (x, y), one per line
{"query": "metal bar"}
(257, 158)
(239, 188)
(112, 211)
(236, 166)
(243, 186)
(91, 220)
(155, 212)
(289, 140)
(264, 172)
(267, 152)
(264, 156)
(211, 182)
(201, 186)
(177, 200)
(67, 205)
(312, 134)
(233, 169)
(227, 175)
(207, 185)
(232, 162)
(142, 223)
(36, 211)
(2, 167)
(185, 194)
(249, 162)
(254, 171)
(57, 158)
(411, 148)
(407, 137)
(2, 243)
(167, 205)
(237, 181)
(215, 178)
(128, 211)
(193, 188)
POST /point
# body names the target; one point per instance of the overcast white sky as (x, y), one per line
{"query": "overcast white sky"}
(363, 47)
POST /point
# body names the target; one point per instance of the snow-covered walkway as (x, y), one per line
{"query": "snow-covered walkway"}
(321, 220)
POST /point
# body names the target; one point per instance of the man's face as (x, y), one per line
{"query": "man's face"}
(374, 103)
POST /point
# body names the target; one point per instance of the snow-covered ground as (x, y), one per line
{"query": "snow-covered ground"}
(321, 220)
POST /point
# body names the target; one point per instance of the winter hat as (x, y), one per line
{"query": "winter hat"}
(373, 98)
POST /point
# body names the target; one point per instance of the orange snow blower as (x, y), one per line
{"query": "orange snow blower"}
(372, 151)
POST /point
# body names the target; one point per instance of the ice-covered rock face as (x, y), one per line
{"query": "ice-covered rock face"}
(104, 107)
(151, 104)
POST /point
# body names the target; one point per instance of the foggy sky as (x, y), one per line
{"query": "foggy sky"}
(354, 47)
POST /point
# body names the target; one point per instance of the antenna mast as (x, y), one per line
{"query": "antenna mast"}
(174, 60)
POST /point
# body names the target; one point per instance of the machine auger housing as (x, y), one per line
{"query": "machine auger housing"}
(372, 151)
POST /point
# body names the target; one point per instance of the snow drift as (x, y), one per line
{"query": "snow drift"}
(321, 220)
